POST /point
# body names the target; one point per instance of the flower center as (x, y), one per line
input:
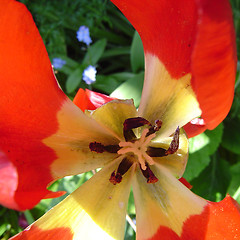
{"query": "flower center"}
(139, 148)
(135, 149)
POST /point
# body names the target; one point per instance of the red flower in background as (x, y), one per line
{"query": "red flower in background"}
(190, 72)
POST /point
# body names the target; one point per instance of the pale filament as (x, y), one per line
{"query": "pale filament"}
(139, 148)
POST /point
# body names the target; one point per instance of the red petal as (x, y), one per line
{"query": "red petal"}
(219, 221)
(35, 233)
(55, 194)
(8, 182)
(194, 37)
(185, 182)
(167, 29)
(29, 103)
(195, 127)
(214, 60)
(89, 100)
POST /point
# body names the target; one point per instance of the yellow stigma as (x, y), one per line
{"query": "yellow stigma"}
(139, 148)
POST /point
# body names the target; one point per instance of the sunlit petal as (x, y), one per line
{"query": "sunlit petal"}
(214, 60)
(71, 142)
(190, 42)
(90, 100)
(38, 122)
(168, 210)
(170, 100)
(167, 203)
(176, 162)
(97, 210)
(113, 114)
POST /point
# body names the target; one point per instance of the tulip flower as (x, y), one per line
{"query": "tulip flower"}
(190, 66)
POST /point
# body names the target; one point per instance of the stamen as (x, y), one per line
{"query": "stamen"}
(96, 147)
(122, 169)
(136, 122)
(148, 174)
(132, 123)
(155, 128)
(149, 138)
(112, 148)
(158, 125)
(143, 136)
(174, 145)
(100, 148)
(139, 148)
(125, 144)
(135, 151)
(141, 160)
(156, 152)
(148, 158)
(115, 178)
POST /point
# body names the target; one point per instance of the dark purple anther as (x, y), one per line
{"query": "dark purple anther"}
(149, 175)
(123, 167)
(136, 122)
(174, 144)
(96, 147)
(100, 148)
(131, 123)
(155, 128)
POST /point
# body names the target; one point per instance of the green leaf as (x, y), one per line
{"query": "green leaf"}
(13, 219)
(137, 53)
(3, 228)
(123, 76)
(215, 137)
(196, 164)
(111, 37)
(29, 217)
(106, 84)
(131, 89)
(74, 80)
(131, 207)
(129, 232)
(201, 148)
(116, 52)
(121, 23)
(95, 52)
(213, 182)
(231, 136)
(56, 42)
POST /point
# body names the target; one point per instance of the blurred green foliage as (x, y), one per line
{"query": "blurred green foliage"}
(116, 51)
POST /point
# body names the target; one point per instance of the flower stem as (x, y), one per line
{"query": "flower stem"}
(236, 194)
(130, 221)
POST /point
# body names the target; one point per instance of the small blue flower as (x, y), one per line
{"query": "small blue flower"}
(83, 35)
(89, 74)
(58, 63)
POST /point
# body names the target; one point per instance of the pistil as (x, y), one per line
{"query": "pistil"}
(139, 148)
